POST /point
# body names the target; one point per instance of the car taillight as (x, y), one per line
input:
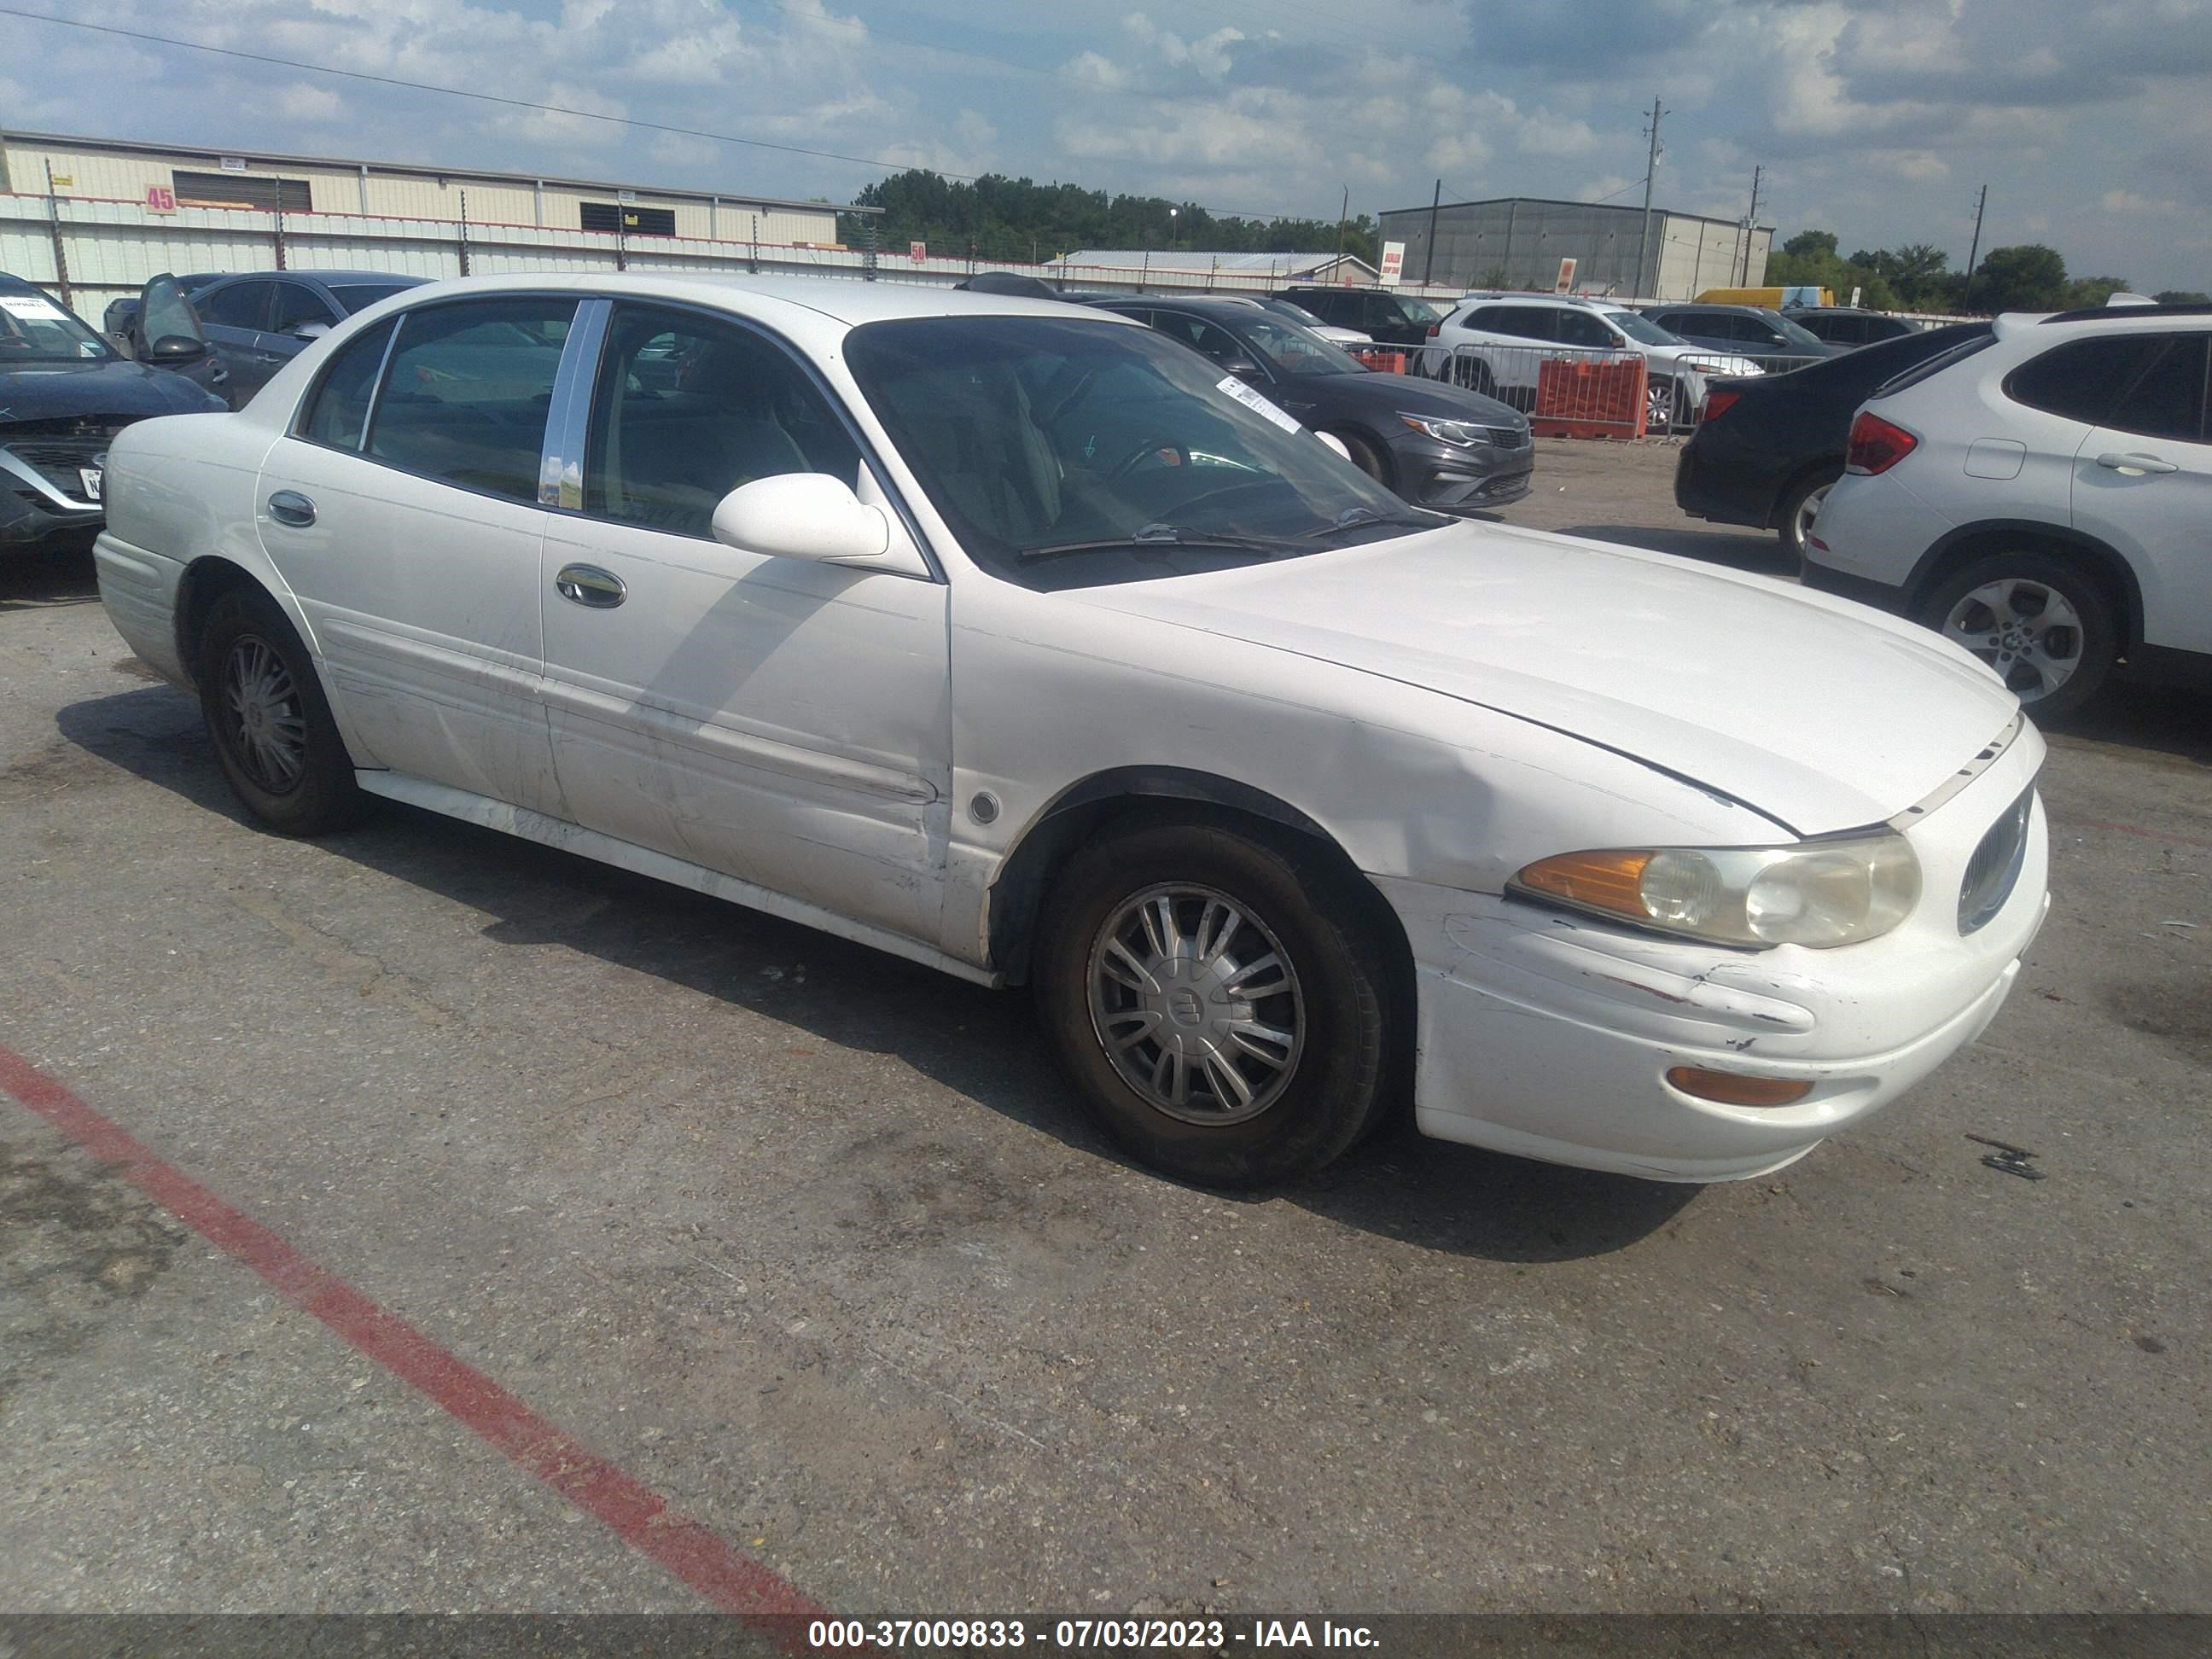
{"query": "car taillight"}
(1718, 404)
(1435, 329)
(1876, 446)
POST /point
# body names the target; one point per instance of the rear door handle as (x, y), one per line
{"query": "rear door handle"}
(2134, 462)
(290, 506)
(589, 586)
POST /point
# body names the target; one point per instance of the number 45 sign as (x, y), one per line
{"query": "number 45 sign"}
(159, 198)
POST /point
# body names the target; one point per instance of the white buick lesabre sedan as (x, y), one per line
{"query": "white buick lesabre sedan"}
(1014, 639)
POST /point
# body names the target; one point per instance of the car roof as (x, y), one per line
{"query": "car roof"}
(1709, 305)
(1206, 304)
(328, 278)
(2133, 313)
(2127, 320)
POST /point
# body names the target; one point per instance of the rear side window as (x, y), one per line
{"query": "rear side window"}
(241, 305)
(2082, 380)
(1524, 322)
(2167, 401)
(467, 391)
(1933, 366)
(297, 304)
(339, 412)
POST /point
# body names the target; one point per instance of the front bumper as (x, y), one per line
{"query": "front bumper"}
(1549, 1035)
(1450, 479)
(29, 524)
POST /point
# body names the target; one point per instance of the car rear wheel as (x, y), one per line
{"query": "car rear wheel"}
(1794, 519)
(270, 724)
(1221, 998)
(2042, 622)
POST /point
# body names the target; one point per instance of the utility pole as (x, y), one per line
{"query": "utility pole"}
(1974, 251)
(1429, 268)
(1342, 214)
(1750, 227)
(1651, 176)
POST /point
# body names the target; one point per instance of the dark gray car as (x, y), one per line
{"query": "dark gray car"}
(1439, 446)
(256, 322)
(1767, 337)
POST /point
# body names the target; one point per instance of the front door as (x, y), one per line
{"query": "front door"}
(2142, 485)
(784, 722)
(402, 509)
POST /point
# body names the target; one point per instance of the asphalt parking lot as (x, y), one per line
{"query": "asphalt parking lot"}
(811, 1243)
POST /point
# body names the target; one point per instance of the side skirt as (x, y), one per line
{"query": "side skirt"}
(492, 814)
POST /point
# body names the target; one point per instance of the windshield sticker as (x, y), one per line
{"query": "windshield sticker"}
(1253, 401)
(32, 305)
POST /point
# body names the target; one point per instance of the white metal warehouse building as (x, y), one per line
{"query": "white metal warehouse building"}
(1517, 242)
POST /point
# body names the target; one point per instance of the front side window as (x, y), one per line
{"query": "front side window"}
(238, 305)
(1581, 329)
(1070, 452)
(360, 296)
(466, 393)
(2168, 400)
(687, 409)
(1641, 330)
(2082, 379)
(1195, 332)
(339, 413)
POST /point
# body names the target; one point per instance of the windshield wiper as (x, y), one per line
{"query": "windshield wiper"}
(1358, 518)
(1164, 535)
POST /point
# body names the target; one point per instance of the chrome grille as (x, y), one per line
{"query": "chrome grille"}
(1994, 870)
(58, 460)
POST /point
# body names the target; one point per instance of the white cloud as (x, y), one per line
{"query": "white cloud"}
(302, 102)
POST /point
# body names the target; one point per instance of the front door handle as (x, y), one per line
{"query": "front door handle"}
(2137, 463)
(588, 585)
(290, 506)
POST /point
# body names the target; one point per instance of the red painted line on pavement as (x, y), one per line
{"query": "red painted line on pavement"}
(636, 1514)
(2130, 829)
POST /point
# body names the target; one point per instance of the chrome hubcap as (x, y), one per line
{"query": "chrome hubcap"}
(268, 727)
(2030, 633)
(1196, 1005)
(1807, 510)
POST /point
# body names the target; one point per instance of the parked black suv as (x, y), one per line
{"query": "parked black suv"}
(1437, 446)
(64, 392)
(1388, 318)
(1847, 326)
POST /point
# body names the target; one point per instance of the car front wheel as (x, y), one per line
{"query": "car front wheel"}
(271, 726)
(1661, 398)
(2040, 621)
(1221, 998)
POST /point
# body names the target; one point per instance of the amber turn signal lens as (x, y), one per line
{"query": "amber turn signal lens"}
(1602, 881)
(1735, 1088)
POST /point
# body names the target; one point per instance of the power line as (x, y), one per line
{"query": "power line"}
(887, 167)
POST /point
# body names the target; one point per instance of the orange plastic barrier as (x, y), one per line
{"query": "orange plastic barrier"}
(1381, 361)
(1584, 400)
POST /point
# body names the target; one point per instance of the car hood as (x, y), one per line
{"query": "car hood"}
(1407, 394)
(1820, 713)
(111, 388)
(1707, 360)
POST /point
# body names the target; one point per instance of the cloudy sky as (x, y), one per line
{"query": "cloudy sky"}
(2090, 121)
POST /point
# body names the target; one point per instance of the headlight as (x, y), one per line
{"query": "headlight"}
(1818, 893)
(1461, 435)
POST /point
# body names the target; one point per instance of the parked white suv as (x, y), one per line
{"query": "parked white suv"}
(1499, 342)
(2043, 497)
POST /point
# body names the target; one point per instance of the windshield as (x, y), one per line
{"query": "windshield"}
(1065, 452)
(35, 329)
(1420, 311)
(1289, 350)
(359, 296)
(1641, 330)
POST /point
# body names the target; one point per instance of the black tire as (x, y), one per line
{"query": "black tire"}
(1792, 505)
(1366, 458)
(1475, 375)
(2094, 648)
(1339, 1077)
(247, 631)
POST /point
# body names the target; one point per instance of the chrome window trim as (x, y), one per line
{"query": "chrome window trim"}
(304, 411)
(567, 422)
(12, 462)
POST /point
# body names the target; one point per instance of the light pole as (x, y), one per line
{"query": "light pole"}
(1171, 228)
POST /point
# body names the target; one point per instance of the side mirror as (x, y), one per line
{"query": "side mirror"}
(802, 515)
(1243, 368)
(1334, 443)
(176, 349)
(309, 332)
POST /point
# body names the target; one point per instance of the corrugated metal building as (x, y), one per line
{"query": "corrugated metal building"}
(1181, 265)
(121, 170)
(1517, 242)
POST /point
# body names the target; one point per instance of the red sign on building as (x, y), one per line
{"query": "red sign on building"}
(918, 252)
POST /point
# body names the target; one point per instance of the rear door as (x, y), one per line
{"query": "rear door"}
(232, 315)
(401, 507)
(2142, 485)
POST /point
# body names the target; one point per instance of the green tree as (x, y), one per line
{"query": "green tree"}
(2084, 291)
(1811, 245)
(2182, 296)
(2026, 278)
